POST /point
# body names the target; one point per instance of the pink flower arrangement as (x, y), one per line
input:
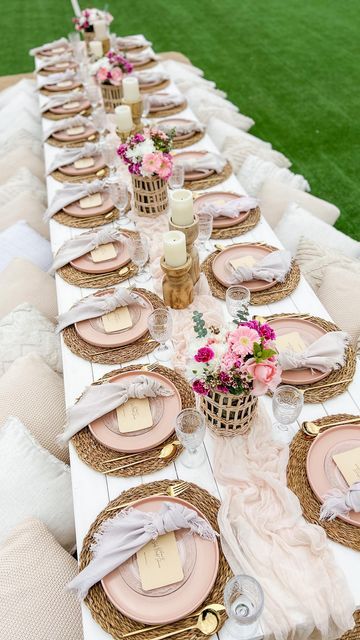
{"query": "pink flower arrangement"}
(148, 154)
(85, 22)
(112, 69)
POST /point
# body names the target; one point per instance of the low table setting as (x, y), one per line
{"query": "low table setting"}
(185, 132)
(233, 214)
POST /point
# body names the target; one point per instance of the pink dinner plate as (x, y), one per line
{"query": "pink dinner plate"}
(139, 63)
(92, 331)
(70, 170)
(85, 263)
(321, 469)
(55, 87)
(164, 106)
(176, 122)
(60, 111)
(178, 600)
(74, 208)
(222, 270)
(193, 175)
(164, 409)
(57, 51)
(61, 66)
(62, 136)
(148, 85)
(218, 198)
(309, 332)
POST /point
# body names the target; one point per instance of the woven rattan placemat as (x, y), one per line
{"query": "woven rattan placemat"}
(53, 116)
(243, 227)
(73, 145)
(85, 223)
(60, 177)
(196, 137)
(168, 112)
(211, 181)
(158, 87)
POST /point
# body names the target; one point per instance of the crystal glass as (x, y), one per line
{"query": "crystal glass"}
(139, 254)
(73, 37)
(145, 105)
(120, 196)
(94, 95)
(190, 429)
(79, 51)
(244, 602)
(160, 328)
(111, 158)
(83, 72)
(205, 229)
(287, 403)
(237, 302)
(176, 180)
(98, 117)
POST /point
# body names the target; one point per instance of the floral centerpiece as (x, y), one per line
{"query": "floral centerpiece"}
(111, 68)
(85, 22)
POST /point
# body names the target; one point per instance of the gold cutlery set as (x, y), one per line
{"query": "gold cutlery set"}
(311, 429)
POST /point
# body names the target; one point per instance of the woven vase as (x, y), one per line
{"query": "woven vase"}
(227, 414)
(150, 196)
(112, 96)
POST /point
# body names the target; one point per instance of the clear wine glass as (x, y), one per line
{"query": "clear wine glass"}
(237, 302)
(244, 603)
(74, 36)
(120, 196)
(99, 119)
(139, 254)
(160, 328)
(205, 229)
(111, 158)
(190, 429)
(287, 403)
(94, 95)
(145, 108)
(176, 180)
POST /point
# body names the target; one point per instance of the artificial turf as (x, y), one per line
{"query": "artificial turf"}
(292, 65)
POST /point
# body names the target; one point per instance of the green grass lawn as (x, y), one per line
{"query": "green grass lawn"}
(292, 65)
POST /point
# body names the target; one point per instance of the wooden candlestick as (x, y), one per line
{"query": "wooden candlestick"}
(191, 233)
(136, 113)
(177, 285)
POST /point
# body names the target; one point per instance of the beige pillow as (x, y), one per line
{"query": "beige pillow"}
(25, 206)
(339, 293)
(34, 571)
(313, 260)
(17, 158)
(22, 281)
(275, 196)
(34, 393)
(237, 150)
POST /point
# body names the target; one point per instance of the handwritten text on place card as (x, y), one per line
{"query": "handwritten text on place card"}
(91, 201)
(290, 341)
(117, 320)
(104, 252)
(134, 415)
(245, 261)
(349, 464)
(159, 562)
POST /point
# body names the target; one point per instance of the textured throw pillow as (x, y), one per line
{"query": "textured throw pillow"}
(34, 572)
(339, 293)
(25, 330)
(34, 393)
(297, 222)
(236, 151)
(313, 260)
(19, 106)
(26, 85)
(21, 241)
(22, 281)
(21, 138)
(206, 105)
(276, 196)
(21, 120)
(33, 484)
(22, 180)
(11, 162)
(26, 206)
(255, 171)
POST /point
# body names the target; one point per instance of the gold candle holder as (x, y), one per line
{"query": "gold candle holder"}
(123, 135)
(106, 45)
(191, 232)
(136, 113)
(177, 284)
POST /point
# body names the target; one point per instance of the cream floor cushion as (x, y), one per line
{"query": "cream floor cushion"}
(25, 330)
(22, 281)
(33, 483)
(255, 171)
(207, 104)
(22, 241)
(275, 196)
(297, 222)
(18, 106)
(21, 181)
(26, 206)
(21, 138)
(11, 162)
(339, 293)
(186, 76)
(34, 572)
(313, 259)
(33, 392)
(24, 85)
(21, 120)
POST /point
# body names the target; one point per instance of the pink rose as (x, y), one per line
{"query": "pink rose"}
(266, 375)
(151, 162)
(116, 76)
(101, 75)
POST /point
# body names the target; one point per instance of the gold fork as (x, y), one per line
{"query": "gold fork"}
(173, 491)
(131, 455)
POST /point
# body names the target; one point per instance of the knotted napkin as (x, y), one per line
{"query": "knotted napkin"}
(124, 535)
(132, 41)
(69, 156)
(142, 56)
(63, 98)
(339, 503)
(62, 42)
(82, 244)
(65, 123)
(231, 209)
(202, 163)
(181, 129)
(146, 77)
(95, 306)
(274, 266)
(56, 78)
(71, 193)
(163, 100)
(326, 353)
(97, 400)
(50, 62)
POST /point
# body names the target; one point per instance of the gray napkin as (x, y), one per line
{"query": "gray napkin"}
(328, 352)
(55, 78)
(69, 156)
(274, 266)
(65, 123)
(71, 193)
(49, 45)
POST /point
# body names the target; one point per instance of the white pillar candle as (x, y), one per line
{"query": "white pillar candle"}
(174, 248)
(123, 118)
(131, 89)
(181, 207)
(96, 49)
(101, 30)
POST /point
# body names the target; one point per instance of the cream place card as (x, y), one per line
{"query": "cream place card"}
(159, 562)
(117, 320)
(134, 415)
(64, 84)
(84, 163)
(348, 463)
(103, 253)
(91, 201)
(75, 131)
(71, 105)
(245, 261)
(290, 342)
(58, 50)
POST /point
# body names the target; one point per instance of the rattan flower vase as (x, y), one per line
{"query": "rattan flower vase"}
(227, 414)
(112, 96)
(150, 196)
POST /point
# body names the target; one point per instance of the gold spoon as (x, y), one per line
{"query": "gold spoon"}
(166, 453)
(216, 608)
(208, 623)
(313, 429)
(95, 277)
(100, 173)
(175, 443)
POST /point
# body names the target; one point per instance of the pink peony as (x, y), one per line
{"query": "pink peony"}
(204, 354)
(242, 340)
(165, 168)
(266, 375)
(102, 74)
(116, 76)
(151, 162)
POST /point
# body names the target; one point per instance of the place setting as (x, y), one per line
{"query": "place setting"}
(150, 81)
(164, 104)
(202, 169)
(58, 82)
(50, 49)
(184, 132)
(134, 43)
(56, 64)
(232, 213)
(66, 105)
(268, 273)
(144, 59)
(71, 132)
(82, 164)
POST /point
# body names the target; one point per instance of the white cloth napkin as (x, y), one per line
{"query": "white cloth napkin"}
(49, 45)
(65, 123)
(68, 156)
(60, 99)
(328, 352)
(72, 193)
(142, 56)
(203, 162)
(339, 503)
(123, 536)
(181, 129)
(95, 306)
(229, 210)
(274, 266)
(82, 244)
(138, 40)
(98, 400)
(54, 60)
(55, 78)
(150, 76)
(165, 99)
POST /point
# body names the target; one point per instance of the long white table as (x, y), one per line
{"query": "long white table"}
(91, 490)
